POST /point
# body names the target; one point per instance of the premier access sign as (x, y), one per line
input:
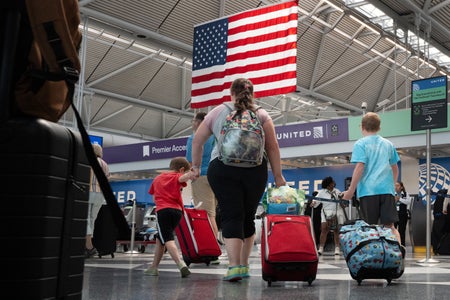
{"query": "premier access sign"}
(429, 103)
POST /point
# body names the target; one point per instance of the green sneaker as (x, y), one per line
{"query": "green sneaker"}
(245, 271)
(233, 274)
(151, 272)
(184, 270)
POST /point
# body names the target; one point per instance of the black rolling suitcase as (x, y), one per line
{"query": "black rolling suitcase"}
(44, 179)
(105, 233)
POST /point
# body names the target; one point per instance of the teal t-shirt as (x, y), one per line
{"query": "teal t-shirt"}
(378, 155)
(206, 157)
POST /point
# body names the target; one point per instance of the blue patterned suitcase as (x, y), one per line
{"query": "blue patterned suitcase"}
(371, 251)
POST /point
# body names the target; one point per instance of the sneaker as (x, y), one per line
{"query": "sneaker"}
(184, 270)
(88, 253)
(320, 251)
(245, 271)
(337, 251)
(233, 274)
(151, 272)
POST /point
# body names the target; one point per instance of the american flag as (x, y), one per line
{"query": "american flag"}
(259, 44)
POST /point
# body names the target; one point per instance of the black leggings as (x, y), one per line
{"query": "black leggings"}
(238, 192)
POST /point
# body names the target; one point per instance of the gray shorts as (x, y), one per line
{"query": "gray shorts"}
(379, 209)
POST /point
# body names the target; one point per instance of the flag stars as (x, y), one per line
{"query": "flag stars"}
(210, 42)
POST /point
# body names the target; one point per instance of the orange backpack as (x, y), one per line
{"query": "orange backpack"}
(46, 88)
(44, 85)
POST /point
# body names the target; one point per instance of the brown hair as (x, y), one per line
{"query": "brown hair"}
(179, 162)
(200, 116)
(242, 89)
(371, 122)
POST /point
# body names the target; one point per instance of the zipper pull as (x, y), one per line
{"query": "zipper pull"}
(75, 184)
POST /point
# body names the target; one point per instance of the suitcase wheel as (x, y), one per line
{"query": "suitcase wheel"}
(389, 281)
(269, 282)
(359, 281)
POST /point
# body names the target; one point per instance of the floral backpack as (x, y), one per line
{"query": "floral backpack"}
(241, 141)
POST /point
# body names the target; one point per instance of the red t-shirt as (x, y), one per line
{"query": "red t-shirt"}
(166, 191)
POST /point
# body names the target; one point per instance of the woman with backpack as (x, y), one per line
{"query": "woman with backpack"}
(239, 187)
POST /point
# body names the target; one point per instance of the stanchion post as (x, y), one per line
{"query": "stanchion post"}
(133, 229)
(428, 258)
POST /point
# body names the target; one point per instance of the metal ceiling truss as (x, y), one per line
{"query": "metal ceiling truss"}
(325, 17)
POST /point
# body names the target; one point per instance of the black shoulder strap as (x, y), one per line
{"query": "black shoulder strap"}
(118, 217)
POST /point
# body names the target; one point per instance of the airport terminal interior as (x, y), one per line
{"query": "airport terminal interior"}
(122, 277)
(352, 56)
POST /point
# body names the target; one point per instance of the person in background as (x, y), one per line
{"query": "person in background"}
(202, 194)
(374, 175)
(166, 191)
(96, 200)
(403, 201)
(445, 212)
(332, 214)
(314, 213)
(445, 206)
(238, 190)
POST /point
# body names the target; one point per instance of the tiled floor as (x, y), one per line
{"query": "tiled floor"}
(122, 277)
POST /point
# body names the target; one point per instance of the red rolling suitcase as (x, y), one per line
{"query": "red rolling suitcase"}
(288, 249)
(196, 237)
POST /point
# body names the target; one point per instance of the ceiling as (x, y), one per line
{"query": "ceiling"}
(137, 58)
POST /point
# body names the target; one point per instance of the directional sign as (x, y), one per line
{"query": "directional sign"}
(429, 103)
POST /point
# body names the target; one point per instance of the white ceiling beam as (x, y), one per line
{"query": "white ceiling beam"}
(120, 70)
(350, 71)
(438, 6)
(112, 115)
(339, 103)
(137, 29)
(143, 103)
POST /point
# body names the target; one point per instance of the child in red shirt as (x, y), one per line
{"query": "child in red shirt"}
(166, 190)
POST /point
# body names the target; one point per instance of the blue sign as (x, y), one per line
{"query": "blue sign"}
(310, 179)
(133, 190)
(95, 139)
(307, 179)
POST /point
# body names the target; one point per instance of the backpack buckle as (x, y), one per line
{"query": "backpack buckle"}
(72, 74)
